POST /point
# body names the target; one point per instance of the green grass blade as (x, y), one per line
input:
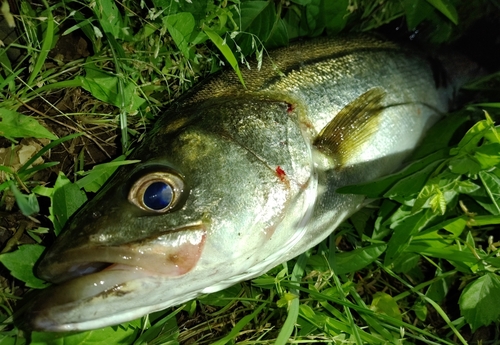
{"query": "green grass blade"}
(293, 310)
(224, 49)
(46, 45)
(239, 326)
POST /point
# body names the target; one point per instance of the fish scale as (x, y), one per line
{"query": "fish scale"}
(251, 175)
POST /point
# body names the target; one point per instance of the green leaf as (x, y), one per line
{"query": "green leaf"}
(315, 15)
(296, 26)
(464, 164)
(20, 263)
(226, 51)
(104, 87)
(278, 36)
(405, 188)
(488, 155)
(197, 8)
(404, 229)
(48, 39)
(446, 8)
(384, 304)
(417, 171)
(101, 336)
(28, 204)
(180, 26)
(256, 20)
(479, 302)
(336, 15)
(95, 178)
(492, 185)
(440, 135)
(357, 259)
(111, 19)
(16, 125)
(473, 137)
(66, 198)
(416, 11)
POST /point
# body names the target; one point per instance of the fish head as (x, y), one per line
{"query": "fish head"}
(190, 218)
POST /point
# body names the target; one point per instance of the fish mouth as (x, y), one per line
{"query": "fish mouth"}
(171, 254)
(87, 275)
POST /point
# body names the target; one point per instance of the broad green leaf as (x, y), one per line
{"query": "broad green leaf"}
(111, 19)
(404, 229)
(420, 310)
(197, 8)
(446, 8)
(95, 178)
(488, 155)
(256, 20)
(438, 290)
(456, 226)
(28, 204)
(492, 185)
(66, 200)
(466, 187)
(440, 135)
(296, 25)
(336, 15)
(66, 197)
(21, 262)
(416, 11)
(479, 302)
(464, 164)
(315, 17)
(180, 26)
(417, 171)
(117, 335)
(104, 87)
(472, 138)
(301, 2)
(406, 262)
(278, 36)
(357, 259)
(452, 253)
(411, 185)
(384, 304)
(16, 125)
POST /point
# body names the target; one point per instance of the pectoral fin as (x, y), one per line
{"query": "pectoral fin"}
(351, 127)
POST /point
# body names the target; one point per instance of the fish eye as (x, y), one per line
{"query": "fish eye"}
(157, 192)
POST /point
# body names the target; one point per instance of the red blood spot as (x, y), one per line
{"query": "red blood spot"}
(281, 173)
(290, 108)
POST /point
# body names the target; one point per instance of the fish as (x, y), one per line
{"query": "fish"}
(234, 180)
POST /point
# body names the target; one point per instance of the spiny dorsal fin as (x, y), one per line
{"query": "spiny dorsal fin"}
(349, 129)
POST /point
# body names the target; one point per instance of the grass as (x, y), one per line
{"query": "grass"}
(419, 265)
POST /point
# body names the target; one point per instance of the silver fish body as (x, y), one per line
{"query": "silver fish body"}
(234, 181)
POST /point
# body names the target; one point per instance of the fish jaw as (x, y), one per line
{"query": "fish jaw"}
(131, 269)
(171, 254)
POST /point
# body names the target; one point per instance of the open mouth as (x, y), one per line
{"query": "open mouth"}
(86, 275)
(172, 254)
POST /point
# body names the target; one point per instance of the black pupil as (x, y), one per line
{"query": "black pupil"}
(158, 195)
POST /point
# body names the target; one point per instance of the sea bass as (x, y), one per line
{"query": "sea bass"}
(234, 181)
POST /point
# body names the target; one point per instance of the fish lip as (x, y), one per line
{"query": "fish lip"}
(172, 253)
